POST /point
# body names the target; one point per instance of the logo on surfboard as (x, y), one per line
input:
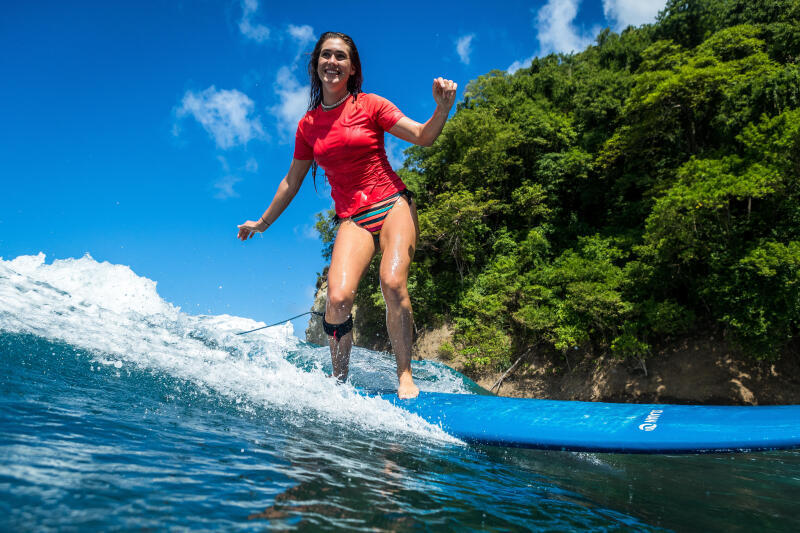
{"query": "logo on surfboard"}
(650, 422)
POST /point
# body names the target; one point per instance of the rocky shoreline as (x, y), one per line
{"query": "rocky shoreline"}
(696, 370)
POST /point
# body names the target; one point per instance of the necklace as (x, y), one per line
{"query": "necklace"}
(329, 107)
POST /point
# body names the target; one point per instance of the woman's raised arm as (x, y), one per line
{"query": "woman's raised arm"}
(444, 94)
(286, 191)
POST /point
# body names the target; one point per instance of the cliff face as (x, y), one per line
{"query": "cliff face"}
(314, 331)
(696, 370)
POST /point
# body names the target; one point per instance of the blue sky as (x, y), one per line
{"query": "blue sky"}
(143, 132)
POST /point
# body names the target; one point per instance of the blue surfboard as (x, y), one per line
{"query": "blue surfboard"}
(607, 427)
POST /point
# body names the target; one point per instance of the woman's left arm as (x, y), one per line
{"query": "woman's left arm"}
(444, 93)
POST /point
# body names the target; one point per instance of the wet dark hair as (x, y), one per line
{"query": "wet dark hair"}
(353, 82)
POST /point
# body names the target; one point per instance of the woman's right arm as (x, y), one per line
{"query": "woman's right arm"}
(286, 192)
(444, 94)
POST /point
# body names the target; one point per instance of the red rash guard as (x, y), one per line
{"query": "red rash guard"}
(347, 142)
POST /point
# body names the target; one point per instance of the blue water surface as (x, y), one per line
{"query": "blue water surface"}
(119, 412)
(85, 446)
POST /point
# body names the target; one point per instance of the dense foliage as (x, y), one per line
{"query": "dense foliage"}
(606, 200)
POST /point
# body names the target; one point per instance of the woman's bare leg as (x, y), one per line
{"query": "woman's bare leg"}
(398, 241)
(352, 251)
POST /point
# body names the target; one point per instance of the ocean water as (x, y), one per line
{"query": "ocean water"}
(118, 411)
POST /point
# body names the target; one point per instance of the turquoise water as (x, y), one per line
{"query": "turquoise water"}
(118, 411)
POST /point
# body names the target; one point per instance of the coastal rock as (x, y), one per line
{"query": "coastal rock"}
(695, 370)
(314, 332)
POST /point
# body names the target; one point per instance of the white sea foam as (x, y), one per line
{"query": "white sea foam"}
(111, 312)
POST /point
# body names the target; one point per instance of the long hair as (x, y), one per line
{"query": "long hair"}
(353, 82)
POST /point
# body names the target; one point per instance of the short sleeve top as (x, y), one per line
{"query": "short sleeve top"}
(347, 142)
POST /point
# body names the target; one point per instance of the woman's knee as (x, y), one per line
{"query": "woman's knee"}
(394, 288)
(340, 301)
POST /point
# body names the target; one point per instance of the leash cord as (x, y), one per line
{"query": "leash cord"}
(283, 321)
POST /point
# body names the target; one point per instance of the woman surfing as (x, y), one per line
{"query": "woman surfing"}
(342, 132)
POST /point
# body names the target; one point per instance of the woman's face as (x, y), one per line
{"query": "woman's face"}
(334, 66)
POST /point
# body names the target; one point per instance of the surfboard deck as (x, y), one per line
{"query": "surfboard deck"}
(607, 427)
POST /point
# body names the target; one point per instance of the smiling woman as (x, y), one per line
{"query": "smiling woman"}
(343, 132)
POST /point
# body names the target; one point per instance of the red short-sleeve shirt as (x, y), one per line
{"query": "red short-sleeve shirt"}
(347, 142)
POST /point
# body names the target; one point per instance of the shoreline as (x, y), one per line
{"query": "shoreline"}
(698, 369)
(691, 370)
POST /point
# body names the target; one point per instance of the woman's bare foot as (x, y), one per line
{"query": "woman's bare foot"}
(406, 388)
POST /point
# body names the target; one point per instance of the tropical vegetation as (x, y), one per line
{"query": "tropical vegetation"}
(607, 201)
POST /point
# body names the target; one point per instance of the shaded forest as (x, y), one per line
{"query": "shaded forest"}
(607, 201)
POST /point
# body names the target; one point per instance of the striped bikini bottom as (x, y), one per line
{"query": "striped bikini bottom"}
(372, 216)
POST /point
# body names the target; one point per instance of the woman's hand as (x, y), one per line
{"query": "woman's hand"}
(444, 92)
(250, 228)
(286, 191)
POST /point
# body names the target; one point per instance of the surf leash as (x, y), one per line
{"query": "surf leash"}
(283, 321)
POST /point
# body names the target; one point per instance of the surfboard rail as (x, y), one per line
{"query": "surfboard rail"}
(607, 427)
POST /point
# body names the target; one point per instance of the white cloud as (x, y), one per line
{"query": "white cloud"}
(624, 13)
(523, 63)
(556, 31)
(292, 95)
(293, 101)
(257, 32)
(306, 231)
(224, 114)
(304, 37)
(302, 34)
(464, 47)
(394, 152)
(225, 187)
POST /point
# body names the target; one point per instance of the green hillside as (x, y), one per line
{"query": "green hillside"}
(607, 201)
